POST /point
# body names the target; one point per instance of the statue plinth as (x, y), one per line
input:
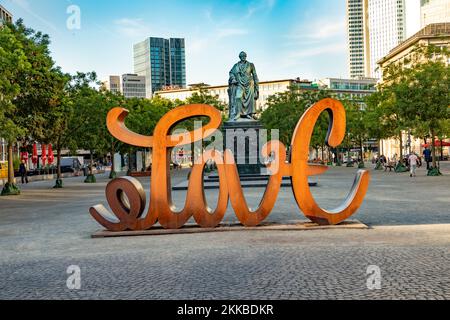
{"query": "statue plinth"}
(245, 139)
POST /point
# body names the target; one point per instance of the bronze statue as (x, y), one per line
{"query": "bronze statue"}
(243, 90)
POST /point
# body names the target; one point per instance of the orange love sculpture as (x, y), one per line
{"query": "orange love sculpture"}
(129, 213)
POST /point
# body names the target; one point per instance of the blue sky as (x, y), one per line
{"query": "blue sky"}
(285, 39)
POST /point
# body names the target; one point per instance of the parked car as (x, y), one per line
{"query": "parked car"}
(70, 165)
(351, 160)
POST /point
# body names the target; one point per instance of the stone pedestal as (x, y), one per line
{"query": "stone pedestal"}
(245, 139)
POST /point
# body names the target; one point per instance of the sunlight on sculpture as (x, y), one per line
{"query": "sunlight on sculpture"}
(129, 214)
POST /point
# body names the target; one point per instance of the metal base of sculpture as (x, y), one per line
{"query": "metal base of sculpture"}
(299, 225)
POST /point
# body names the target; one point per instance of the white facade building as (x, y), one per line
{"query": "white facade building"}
(434, 11)
(133, 86)
(266, 89)
(130, 85)
(374, 27)
(5, 15)
(358, 38)
(387, 29)
(113, 84)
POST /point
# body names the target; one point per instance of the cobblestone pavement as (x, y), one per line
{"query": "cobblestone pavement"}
(44, 231)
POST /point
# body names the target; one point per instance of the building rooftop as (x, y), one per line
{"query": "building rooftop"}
(4, 9)
(225, 85)
(435, 30)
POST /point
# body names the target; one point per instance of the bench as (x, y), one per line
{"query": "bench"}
(389, 165)
(138, 174)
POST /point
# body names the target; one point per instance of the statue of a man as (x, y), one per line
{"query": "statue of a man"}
(243, 90)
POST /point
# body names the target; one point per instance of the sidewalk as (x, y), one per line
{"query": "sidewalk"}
(46, 177)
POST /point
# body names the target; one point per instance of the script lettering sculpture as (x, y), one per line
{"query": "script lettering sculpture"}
(129, 213)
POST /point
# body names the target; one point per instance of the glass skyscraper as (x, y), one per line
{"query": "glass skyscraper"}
(162, 62)
(177, 63)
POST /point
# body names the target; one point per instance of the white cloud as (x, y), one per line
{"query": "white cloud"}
(315, 51)
(133, 28)
(229, 32)
(319, 30)
(259, 5)
(25, 5)
(196, 45)
(293, 57)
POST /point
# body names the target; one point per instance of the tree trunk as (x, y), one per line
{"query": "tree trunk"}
(130, 161)
(91, 172)
(10, 164)
(58, 182)
(113, 161)
(112, 174)
(348, 148)
(442, 150)
(433, 149)
(144, 164)
(361, 150)
(58, 163)
(401, 147)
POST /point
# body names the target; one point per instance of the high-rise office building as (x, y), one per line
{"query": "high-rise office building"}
(177, 63)
(387, 29)
(374, 28)
(162, 62)
(5, 15)
(358, 38)
(133, 86)
(434, 11)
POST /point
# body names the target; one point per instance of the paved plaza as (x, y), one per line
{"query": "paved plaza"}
(44, 231)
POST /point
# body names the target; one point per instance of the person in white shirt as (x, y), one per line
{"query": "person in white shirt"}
(413, 161)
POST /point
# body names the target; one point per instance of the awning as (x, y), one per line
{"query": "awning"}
(437, 143)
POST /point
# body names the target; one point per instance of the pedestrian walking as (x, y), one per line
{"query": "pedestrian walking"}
(427, 156)
(23, 171)
(413, 162)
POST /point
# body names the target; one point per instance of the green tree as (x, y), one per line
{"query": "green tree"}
(202, 96)
(112, 145)
(143, 118)
(88, 119)
(53, 116)
(68, 118)
(285, 109)
(419, 92)
(25, 67)
(362, 125)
